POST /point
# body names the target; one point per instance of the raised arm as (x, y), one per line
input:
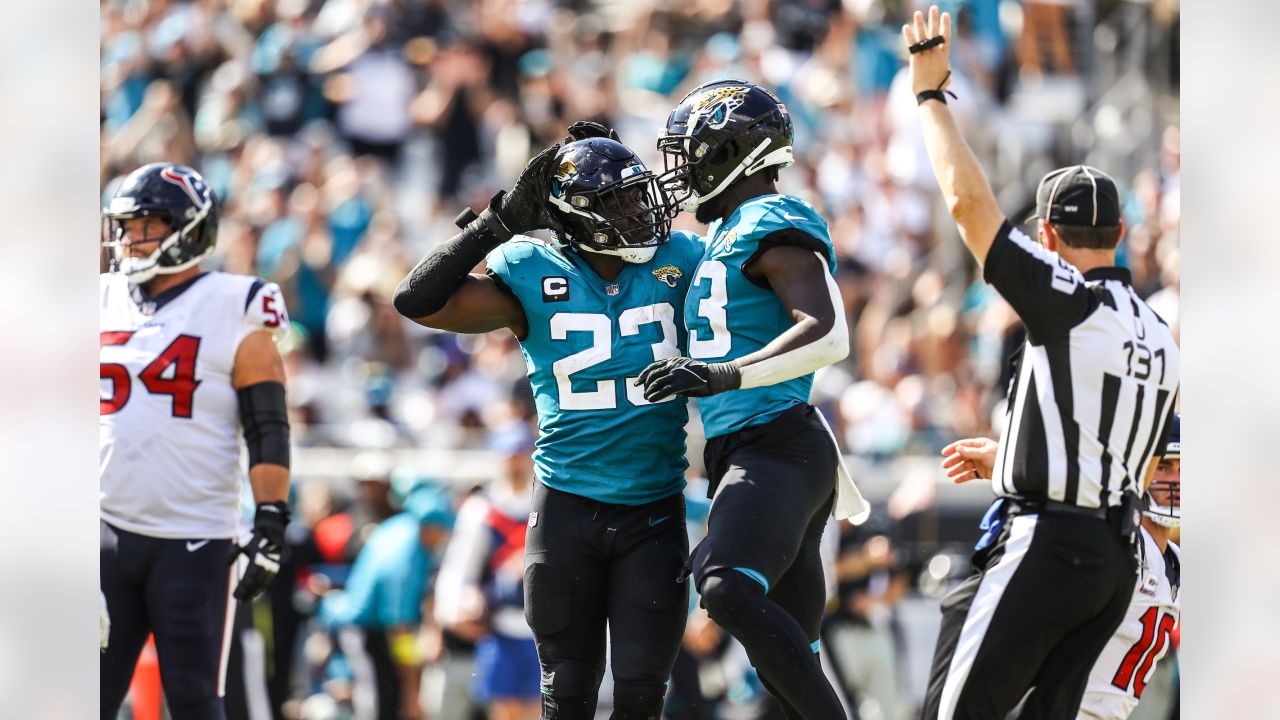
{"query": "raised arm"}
(964, 185)
(441, 292)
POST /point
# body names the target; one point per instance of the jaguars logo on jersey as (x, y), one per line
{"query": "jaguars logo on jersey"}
(669, 274)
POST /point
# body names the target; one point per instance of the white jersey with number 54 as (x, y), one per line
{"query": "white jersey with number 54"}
(169, 423)
(1122, 671)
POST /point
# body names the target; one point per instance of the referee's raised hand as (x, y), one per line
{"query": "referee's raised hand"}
(930, 67)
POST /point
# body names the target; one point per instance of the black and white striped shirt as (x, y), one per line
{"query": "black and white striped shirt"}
(1096, 384)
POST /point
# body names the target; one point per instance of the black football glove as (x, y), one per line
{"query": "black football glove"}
(688, 377)
(584, 129)
(264, 549)
(524, 206)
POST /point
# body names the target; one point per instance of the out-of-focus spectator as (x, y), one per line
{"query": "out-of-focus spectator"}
(378, 615)
(479, 593)
(373, 89)
(860, 632)
(1046, 27)
(452, 107)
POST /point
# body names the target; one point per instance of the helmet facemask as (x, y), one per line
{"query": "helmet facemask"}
(695, 173)
(1162, 502)
(629, 218)
(141, 269)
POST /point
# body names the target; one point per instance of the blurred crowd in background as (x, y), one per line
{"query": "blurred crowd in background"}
(343, 137)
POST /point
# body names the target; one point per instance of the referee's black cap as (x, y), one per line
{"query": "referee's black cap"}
(1078, 195)
(1173, 446)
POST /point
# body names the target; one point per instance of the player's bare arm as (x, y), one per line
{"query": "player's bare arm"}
(964, 185)
(258, 376)
(442, 292)
(479, 305)
(818, 337)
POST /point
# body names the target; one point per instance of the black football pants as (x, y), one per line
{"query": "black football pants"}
(758, 570)
(588, 564)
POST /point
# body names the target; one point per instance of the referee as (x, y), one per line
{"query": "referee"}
(1091, 399)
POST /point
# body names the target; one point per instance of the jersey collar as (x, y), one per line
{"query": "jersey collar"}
(150, 305)
(713, 230)
(1110, 273)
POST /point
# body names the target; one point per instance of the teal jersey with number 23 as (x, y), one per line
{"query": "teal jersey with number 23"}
(729, 316)
(588, 339)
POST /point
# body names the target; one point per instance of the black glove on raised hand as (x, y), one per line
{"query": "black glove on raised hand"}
(524, 206)
(264, 549)
(584, 129)
(688, 377)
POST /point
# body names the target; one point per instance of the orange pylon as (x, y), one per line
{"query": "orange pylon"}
(145, 690)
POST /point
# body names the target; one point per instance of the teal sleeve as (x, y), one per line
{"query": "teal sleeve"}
(793, 223)
(517, 264)
(496, 264)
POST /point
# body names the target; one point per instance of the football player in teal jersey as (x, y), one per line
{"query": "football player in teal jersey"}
(763, 313)
(606, 536)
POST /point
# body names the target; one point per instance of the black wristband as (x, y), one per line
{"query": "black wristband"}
(265, 418)
(936, 93)
(271, 519)
(923, 97)
(428, 286)
(275, 514)
(723, 376)
(494, 221)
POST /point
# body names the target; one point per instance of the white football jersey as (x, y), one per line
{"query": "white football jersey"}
(169, 423)
(1126, 664)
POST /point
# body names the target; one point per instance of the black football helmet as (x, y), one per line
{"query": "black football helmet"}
(607, 201)
(721, 131)
(1168, 488)
(179, 196)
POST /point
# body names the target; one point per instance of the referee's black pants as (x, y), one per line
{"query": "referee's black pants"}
(1043, 601)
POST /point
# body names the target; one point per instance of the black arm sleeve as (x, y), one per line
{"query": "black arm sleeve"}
(785, 236)
(437, 276)
(1049, 295)
(266, 423)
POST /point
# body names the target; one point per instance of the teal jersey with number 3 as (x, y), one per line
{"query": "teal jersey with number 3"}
(729, 316)
(588, 339)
